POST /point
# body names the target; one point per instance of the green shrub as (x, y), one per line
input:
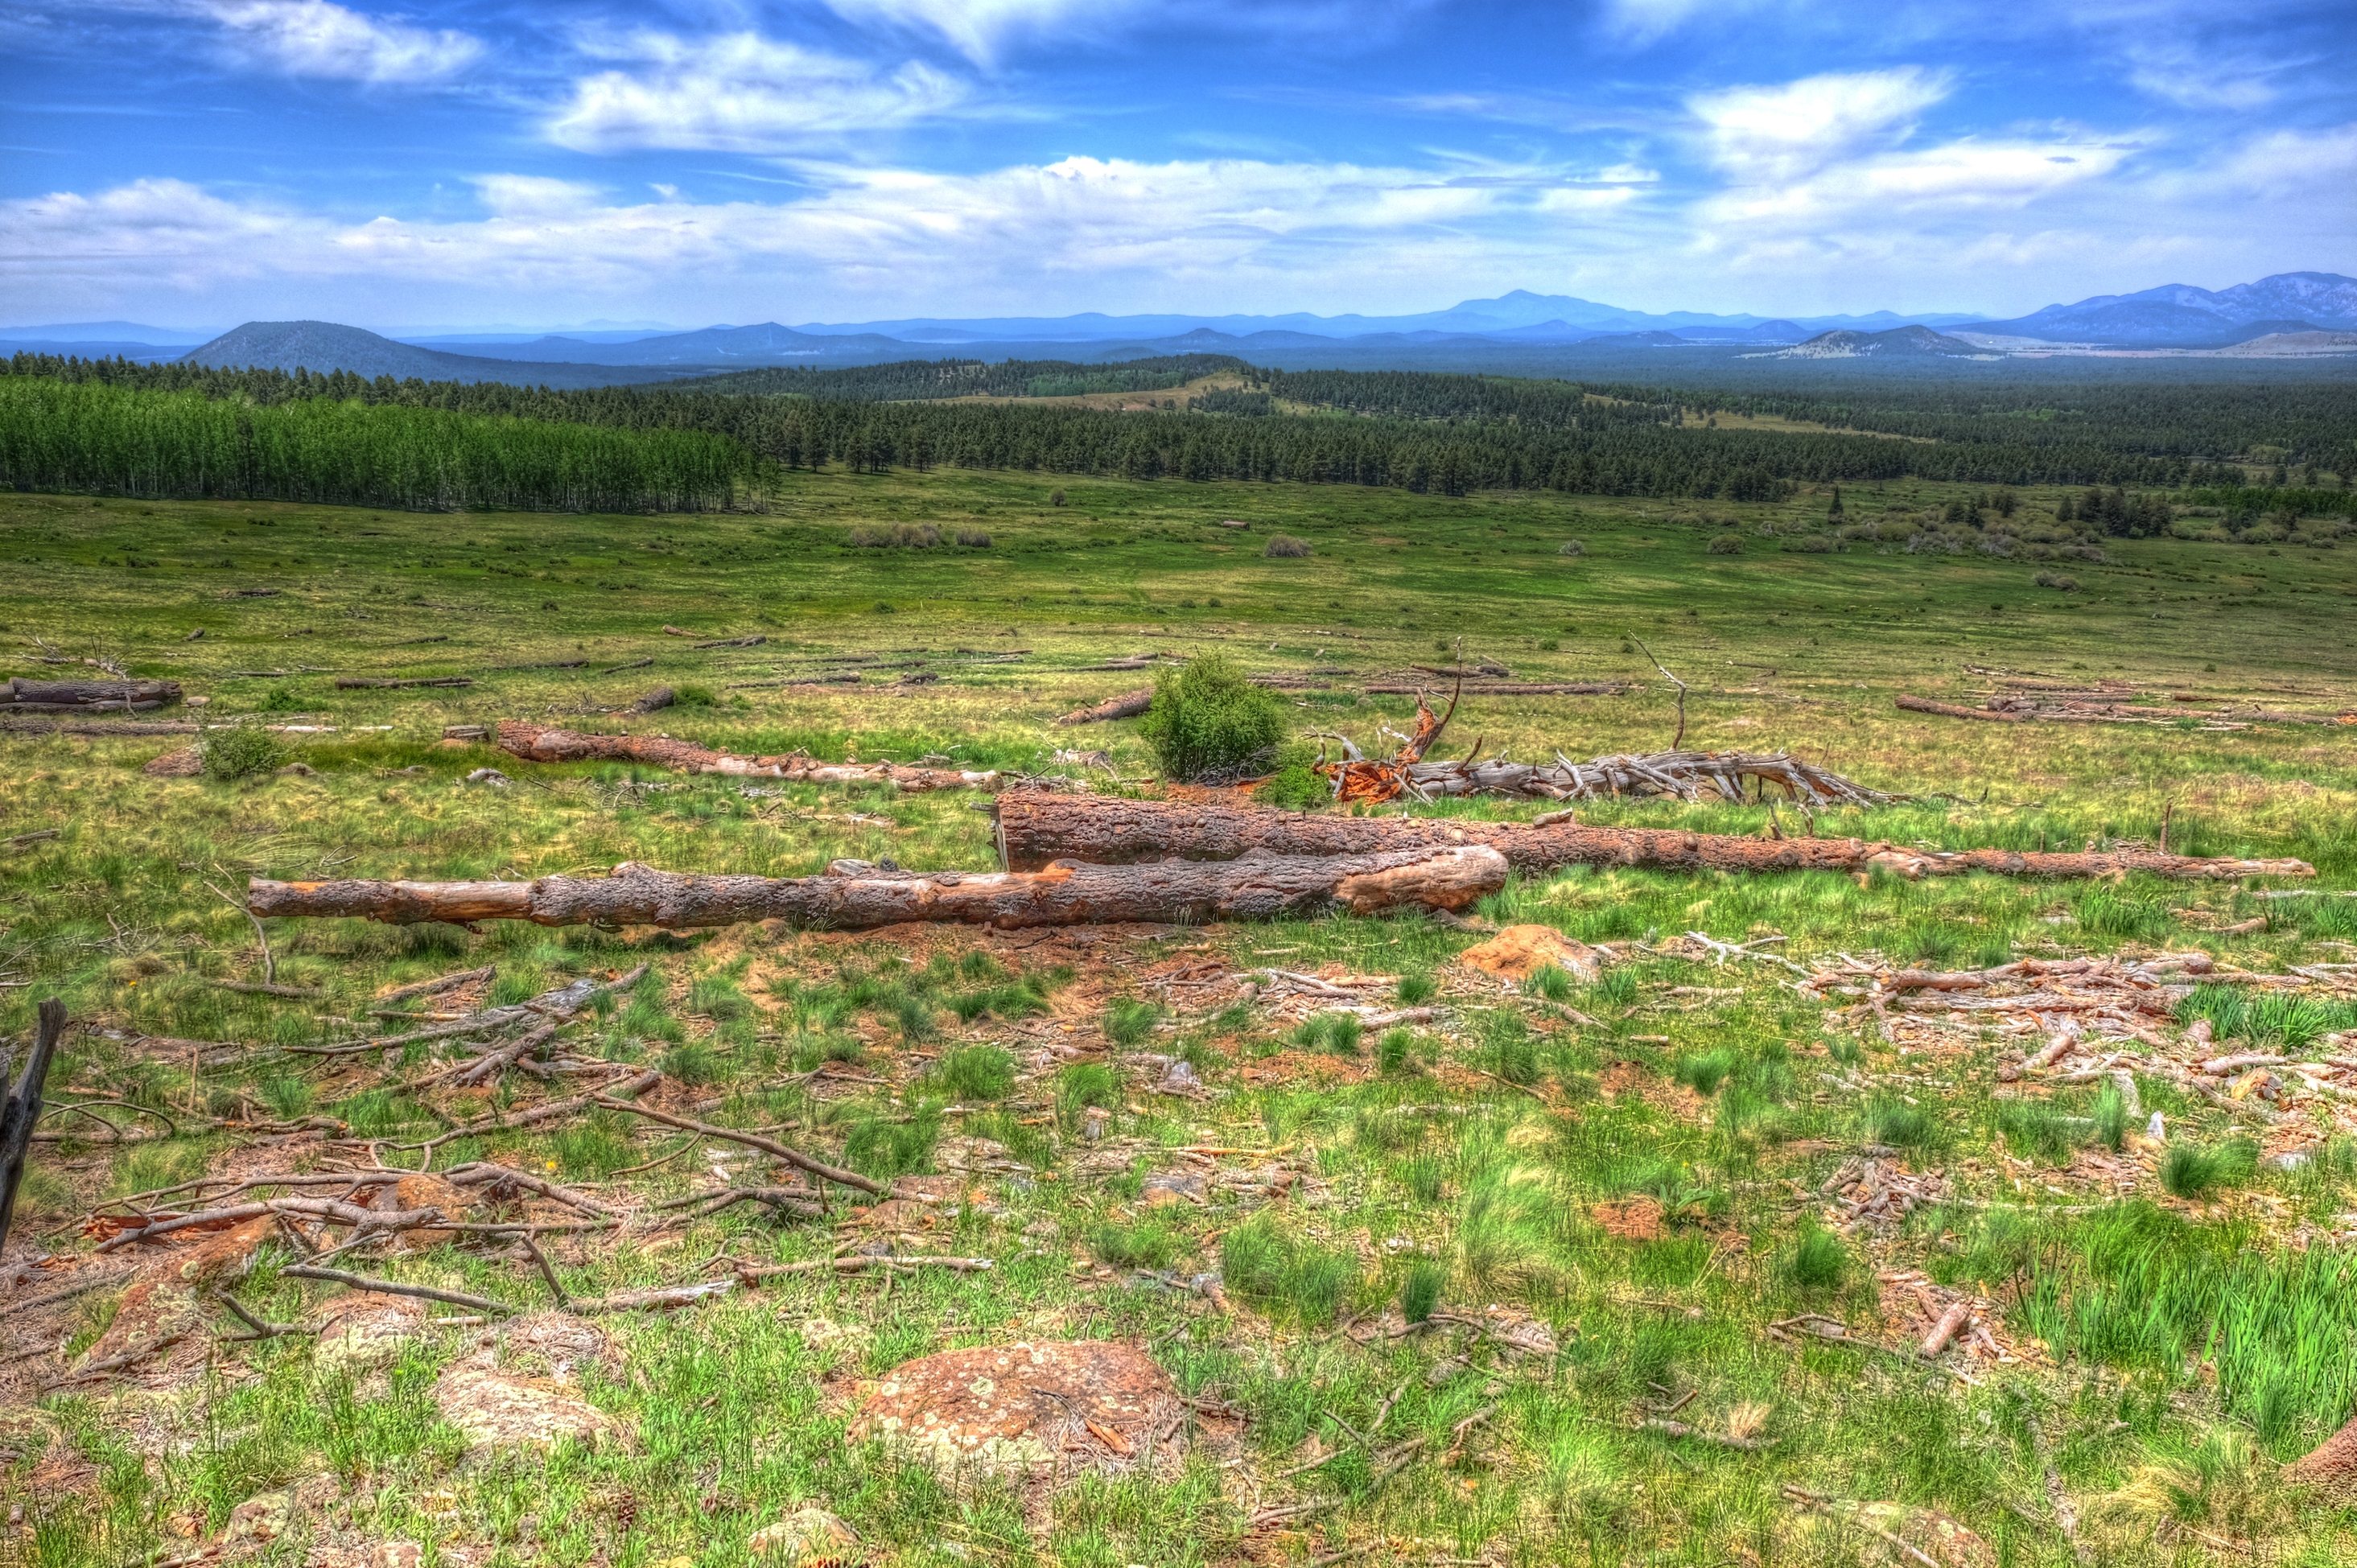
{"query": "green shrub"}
(2188, 1170)
(1149, 1243)
(1208, 721)
(1082, 1086)
(1705, 1071)
(281, 699)
(2110, 1117)
(1819, 1260)
(694, 696)
(2034, 1129)
(1550, 981)
(1898, 1124)
(1129, 1023)
(1392, 1050)
(1264, 1265)
(1414, 990)
(1291, 783)
(975, 1072)
(243, 751)
(1421, 1293)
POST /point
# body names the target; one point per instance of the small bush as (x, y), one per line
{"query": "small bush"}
(1150, 1243)
(1208, 721)
(694, 696)
(1291, 784)
(882, 1147)
(1898, 1124)
(1706, 1071)
(1392, 1051)
(898, 536)
(1727, 544)
(1819, 1260)
(1421, 1293)
(975, 1072)
(1572, 547)
(281, 699)
(1548, 645)
(2190, 1171)
(973, 538)
(1285, 547)
(2056, 580)
(1080, 1087)
(243, 752)
(1129, 1023)
(2110, 1117)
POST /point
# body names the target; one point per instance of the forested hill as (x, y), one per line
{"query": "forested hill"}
(911, 380)
(1449, 433)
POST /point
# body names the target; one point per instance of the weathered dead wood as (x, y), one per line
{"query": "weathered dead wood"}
(503, 1182)
(854, 896)
(1129, 704)
(20, 1104)
(1357, 780)
(536, 742)
(659, 698)
(1039, 829)
(733, 643)
(1509, 688)
(436, 986)
(1681, 775)
(23, 696)
(1950, 710)
(768, 1145)
(392, 1287)
(355, 683)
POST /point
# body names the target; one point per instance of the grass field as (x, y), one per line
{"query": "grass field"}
(1649, 1185)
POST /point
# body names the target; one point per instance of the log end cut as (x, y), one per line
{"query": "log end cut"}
(1443, 879)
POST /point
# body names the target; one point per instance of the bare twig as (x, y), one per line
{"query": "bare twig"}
(269, 964)
(393, 1287)
(1680, 739)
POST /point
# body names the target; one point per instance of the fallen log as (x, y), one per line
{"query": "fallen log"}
(1038, 829)
(1950, 710)
(855, 895)
(20, 1104)
(537, 743)
(355, 683)
(1129, 704)
(23, 696)
(1509, 689)
(1682, 774)
(10, 723)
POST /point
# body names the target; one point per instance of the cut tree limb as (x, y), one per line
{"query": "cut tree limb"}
(854, 896)
(22, 696)
(1038, 829)
(1950, 710)
(536, 742)
(1129, 704)
(355, 683)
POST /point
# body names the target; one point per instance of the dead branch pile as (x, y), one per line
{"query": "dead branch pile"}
(1037, 830)
(540, 743)
(2090, 1015)
(1681, 775)
(2101, 707)
(22, 696)
(857, 896)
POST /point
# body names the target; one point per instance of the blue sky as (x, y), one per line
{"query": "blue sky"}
(455, 163)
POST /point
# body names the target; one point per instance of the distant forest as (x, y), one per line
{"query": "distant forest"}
(177, 429)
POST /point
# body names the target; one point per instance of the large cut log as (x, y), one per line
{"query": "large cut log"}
(1950, 710)
(1685, 775)
(22, 696)
(855, 896)
(1129, 704)
(537, 743)
(1035, 830)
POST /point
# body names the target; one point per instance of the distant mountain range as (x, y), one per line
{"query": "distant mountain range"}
(1516, 332)
(2179, 315)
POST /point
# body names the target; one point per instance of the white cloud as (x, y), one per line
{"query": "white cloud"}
(979, 28)
(1082, 231)
(1768, 133)
(314, 38)
(741, 93)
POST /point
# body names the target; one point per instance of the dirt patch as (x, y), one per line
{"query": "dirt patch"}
(501, 1410)
(1026, 1407)
(1637, 1219)
(1520, 951)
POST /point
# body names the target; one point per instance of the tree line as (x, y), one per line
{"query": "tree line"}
(1443, 433)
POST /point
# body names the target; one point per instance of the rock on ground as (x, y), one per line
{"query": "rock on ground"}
(1520, 951)
(501, 1410)
(1092, 1404)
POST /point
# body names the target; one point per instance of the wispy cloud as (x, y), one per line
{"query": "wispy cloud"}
(1763, 134)
(317, 38)
(742, 93)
